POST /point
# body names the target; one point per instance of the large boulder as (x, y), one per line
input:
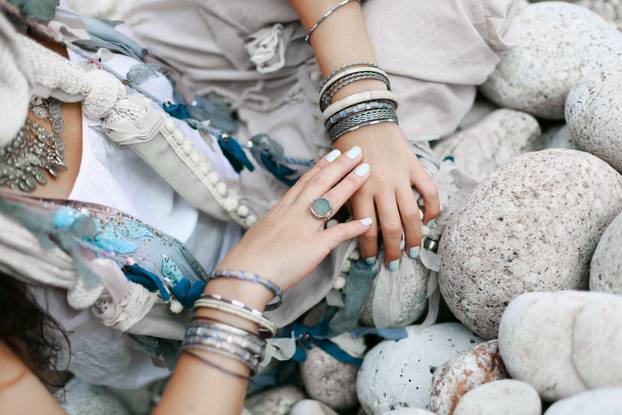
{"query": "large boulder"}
(610, 10)
(398, 374)
(594, 116)
(596, 402)
(507, 397)
(563, 343)
(606, 266)
(531, 226)
(557, 44)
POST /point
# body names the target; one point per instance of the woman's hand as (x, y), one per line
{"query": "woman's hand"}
(388, 193)
(289, 242)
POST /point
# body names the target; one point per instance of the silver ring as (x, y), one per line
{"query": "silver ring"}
(430, 244)
(322, 208)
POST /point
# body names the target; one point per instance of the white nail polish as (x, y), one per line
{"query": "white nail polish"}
(362, 170)
(367, 221)
(354, 152)
(332, 156)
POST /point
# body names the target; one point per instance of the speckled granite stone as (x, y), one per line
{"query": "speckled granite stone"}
(606, 267)
(507, 397)
(532, 225)
(558, 44)
(610, 10)
(276, 401)
(328, 380)
(311, 407)
(597, 402)
(469, 369)
(494, 141)
(409, 411)
(399, 374)
(594, 117)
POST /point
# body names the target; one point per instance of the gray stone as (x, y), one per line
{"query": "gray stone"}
(481, 109)
(328, 380)
(606, 266)
(276, 401)
(397, 298)
(493, 142)
(594, 117)
(507, 397)
(399, 374)
(469, 369)
(80, 398)
(596, 402)
(557, 136)
(563, 343)
(311, 407)
(532, 225)
(409, 411)
(557, 44)
(610, 10)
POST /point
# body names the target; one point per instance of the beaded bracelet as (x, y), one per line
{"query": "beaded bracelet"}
(324, 17)
(356, 109)
(244, 276)
(332, 89)
(236, 308)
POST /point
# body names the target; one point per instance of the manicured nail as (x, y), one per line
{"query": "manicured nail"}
(354, 152)
(394, 265)
(413, 252)
(332, 156)
(362, 170)
(371, 260)
(367, 221)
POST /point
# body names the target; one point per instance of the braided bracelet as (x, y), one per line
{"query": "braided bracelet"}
(257, 279)
(236, 308)
(324, 17)
(333, 88)
(356, 109)
(345, 67)
(355, 99)
(363, 119)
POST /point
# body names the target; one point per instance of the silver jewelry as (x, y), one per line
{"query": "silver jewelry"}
(258, 279)
(370, 105)
(343, 68)
(327, 98)
(324, 17)
(35, 151)
(430, 244)
(321, 208)
(362, 119)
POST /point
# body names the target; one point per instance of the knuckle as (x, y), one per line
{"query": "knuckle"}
(430, 192)
(411, 213)
(370, 236)
(318, 180)
(392, 231)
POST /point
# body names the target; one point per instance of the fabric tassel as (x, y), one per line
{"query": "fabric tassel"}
(234, 153)
(270, 155)
(147, 279)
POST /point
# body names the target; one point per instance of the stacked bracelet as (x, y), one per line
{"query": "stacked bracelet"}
(257, 279)
(362, 119)
(347, 77)
(324, 17)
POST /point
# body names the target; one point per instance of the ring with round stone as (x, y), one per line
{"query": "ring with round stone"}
(322, 208)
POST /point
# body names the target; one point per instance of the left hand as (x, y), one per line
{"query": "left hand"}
(388, 194)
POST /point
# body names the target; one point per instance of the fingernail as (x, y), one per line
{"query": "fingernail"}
(362, 170)
(332, 156)
(354, 152)
(371, 260)
(367, 221)
(413, 252)
(394, 265)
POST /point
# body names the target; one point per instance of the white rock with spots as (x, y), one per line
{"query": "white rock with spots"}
(532, 225)
(311, 407)
(398, 374)
(469, 369)
(328, 380)
(481, 149)
(409, 411)
(563, 343)
(606, 266)
(276, 401)
(594, 116)
(595, 402)
(610, 10)
(557, 44)
(507, 397)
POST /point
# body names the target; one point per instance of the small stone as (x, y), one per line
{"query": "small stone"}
(276, 401)
(328, 380)
(469, 369)
(606, 266)
(507, 397)
(398, 374)
(321, 207)
(557, 44)
(596, 402)
(311, 407)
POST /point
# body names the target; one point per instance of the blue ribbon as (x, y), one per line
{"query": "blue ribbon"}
(234, 153)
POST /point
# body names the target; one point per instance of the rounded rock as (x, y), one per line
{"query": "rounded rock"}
(276, 401)
(596, 402)
(409, 411)
(398, 374)
(610, 10)
(531, 226)
(606, 266)
(469, 369)
(507, 397)
(557, 44)
(329, 381)
(311, 407)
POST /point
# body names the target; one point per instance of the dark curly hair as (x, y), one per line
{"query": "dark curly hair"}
(35, 337)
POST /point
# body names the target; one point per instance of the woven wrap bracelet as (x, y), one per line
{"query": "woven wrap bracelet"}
(257, 279)
(345, 67)
(324, 17)
(355, 99)
(362, 119)
(333, 88)
(356, 109)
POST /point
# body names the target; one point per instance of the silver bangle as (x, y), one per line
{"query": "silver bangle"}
(327, 98)
(324, 17)
(257, 279)
(355, 109)
(248, 342)
(362, 119)
(343, 68)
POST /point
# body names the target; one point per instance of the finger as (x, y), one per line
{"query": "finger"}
(330, 175)
(411, 220)
(426, 188)
(363, 207)
(340, 194)
(391, 229)
(346, 231)
(303, 181)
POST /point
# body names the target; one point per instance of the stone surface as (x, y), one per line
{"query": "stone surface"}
(397, 298)
(409, 411)
(557, 136)
(79, 398)
(311, 407)
(606, 266)
(610, 10)
(399, 374)
(494, 141)
(507, 397)
(557, 44)
(469, 369)
(276, 401)
(563, 343)
(596, 402)
(328, 380)
(532, 225)
(594, 117)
